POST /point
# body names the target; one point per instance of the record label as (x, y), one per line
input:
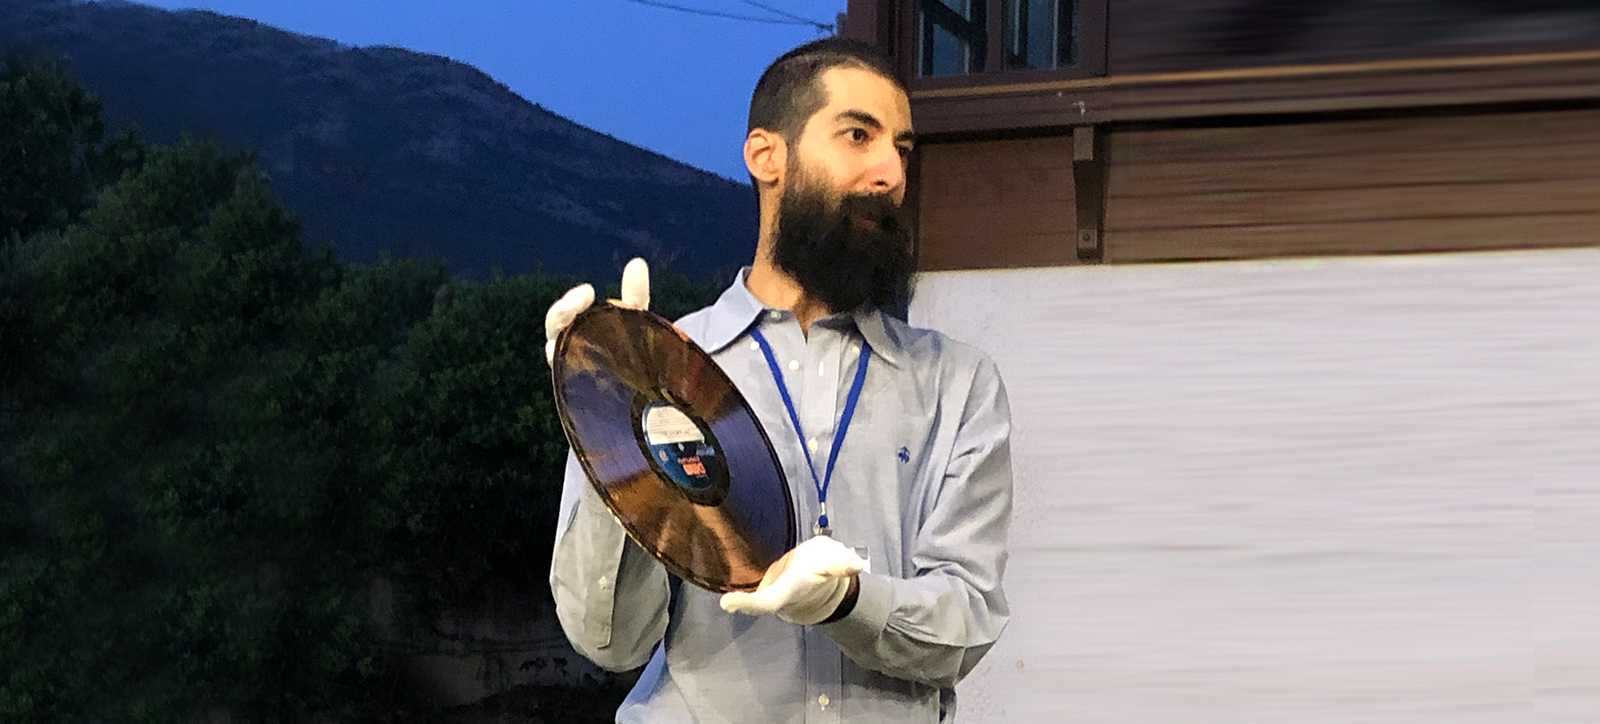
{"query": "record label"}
(685, 452)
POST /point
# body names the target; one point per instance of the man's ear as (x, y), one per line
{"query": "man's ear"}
(765, 156)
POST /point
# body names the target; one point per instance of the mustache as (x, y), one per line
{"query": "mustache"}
(870, 213)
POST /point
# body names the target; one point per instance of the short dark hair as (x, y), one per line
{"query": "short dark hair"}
(791, 91)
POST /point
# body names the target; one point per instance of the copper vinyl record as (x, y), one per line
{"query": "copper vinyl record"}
(671, 447)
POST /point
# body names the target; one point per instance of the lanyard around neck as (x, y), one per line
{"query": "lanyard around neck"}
(822, 483)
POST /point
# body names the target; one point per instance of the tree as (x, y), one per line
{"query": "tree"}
(226, 439)
(168, 553)
(51, 156)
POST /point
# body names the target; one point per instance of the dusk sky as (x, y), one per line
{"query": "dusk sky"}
(675, 83)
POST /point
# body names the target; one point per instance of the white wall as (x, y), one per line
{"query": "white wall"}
(1344, 490)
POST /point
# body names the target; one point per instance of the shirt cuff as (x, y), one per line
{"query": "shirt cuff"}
(866, 622)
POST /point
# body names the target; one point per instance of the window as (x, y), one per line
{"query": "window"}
(968, 37)
(1040, 34)
(952, 39)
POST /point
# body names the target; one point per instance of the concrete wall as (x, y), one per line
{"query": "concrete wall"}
(465, 655)
(1342, 490)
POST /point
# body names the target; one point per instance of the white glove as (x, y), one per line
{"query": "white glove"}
(635, 294)
(805, 586)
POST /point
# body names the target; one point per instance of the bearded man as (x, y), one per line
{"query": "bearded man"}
(895, 593)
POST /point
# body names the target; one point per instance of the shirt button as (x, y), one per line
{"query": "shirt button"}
(822, 701)
(794, 365)
(755, 346)
(774, 315)
(811, 444)
(604, 583)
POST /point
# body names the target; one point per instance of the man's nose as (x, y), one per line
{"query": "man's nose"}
(887, 172)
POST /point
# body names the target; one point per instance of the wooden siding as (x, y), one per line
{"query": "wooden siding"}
(1152, 36)
(991, 204)
(1432, 183)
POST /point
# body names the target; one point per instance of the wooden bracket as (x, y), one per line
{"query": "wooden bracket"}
(1089, 186)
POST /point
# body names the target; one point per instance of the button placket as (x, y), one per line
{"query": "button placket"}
(822, 395)
(825, 682)
(788, 343)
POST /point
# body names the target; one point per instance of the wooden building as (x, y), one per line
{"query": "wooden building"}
(1062, 132)
(1324, 477)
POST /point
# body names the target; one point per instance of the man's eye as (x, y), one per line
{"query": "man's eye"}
(858, 135)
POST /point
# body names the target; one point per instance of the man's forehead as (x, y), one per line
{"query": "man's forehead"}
(864, 91)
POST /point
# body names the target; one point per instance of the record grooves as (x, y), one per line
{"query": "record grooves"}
(672, 448)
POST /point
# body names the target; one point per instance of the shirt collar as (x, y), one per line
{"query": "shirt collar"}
(733, 314)
(737, 310)
(876, 331)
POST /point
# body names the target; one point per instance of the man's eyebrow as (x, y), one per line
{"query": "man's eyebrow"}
(871, 121)
(862, 117)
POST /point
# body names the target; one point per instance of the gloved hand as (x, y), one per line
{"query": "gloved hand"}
(805, 586)
(635, 294)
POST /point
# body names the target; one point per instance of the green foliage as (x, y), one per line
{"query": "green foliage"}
(19, 339)
(213, 441)
(474, 443)
(51, 156)
(169, 554)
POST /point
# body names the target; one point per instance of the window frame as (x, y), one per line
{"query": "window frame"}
(1092, 49)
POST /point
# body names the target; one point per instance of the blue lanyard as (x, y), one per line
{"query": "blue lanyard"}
(794, 417)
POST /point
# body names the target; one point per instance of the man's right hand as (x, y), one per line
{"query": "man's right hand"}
(635, 295)
(805, 586)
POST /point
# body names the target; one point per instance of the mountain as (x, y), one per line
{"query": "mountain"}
(380, 148)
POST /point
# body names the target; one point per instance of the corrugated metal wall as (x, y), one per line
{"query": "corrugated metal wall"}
(1354, 490)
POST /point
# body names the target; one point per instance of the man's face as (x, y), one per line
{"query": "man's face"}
(840, 233)
(861, 140)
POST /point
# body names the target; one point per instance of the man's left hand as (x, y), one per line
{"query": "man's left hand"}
(805, 586)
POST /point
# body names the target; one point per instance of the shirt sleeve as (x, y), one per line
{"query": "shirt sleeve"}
(611, 596)
(934, 626)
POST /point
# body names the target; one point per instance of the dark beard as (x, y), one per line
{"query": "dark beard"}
(850, 252)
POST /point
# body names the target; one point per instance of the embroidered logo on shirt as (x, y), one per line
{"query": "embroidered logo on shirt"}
(905, 455)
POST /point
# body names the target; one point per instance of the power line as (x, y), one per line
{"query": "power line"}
(718, 14)
(824, 27)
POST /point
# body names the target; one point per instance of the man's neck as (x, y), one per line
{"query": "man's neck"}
(776, 289)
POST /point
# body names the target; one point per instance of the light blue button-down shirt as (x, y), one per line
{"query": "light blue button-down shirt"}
(923, 482)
